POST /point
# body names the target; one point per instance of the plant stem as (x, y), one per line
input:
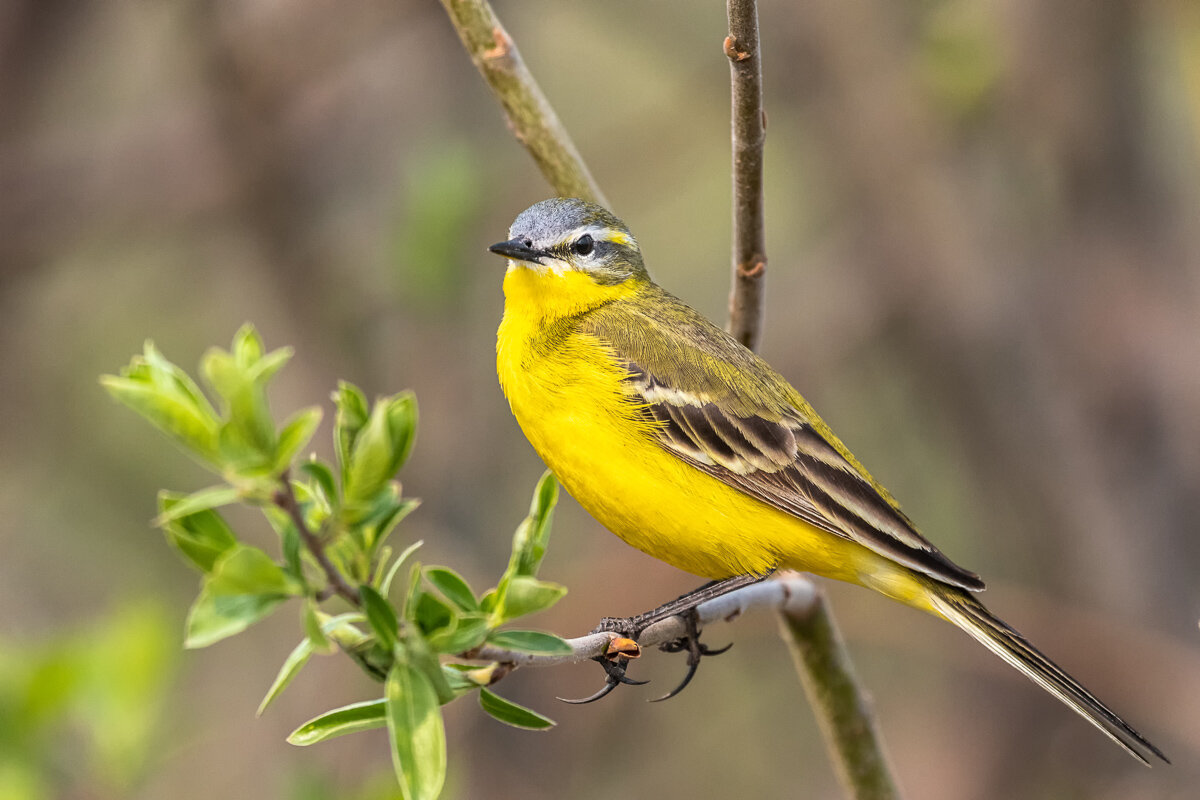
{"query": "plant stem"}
(749, 123)
(285, 498)
(529, 113)
(842, 709)
(843, 712)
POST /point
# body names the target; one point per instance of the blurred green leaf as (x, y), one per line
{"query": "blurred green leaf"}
(525, 595)
(341, 721)
(533, 534)
(170, 400)
(416, 732)
(290, 669)
(536, 642)
(380, 449)
(182, 505)
(295, 435)
(385, 587)
(247, 437)
(463, 633)
(350, 418)
(430, 613)
(248, 570)
(201, 536)
(322, 477)
(313, 629)
(380, 615)
(244, 586)
(216, 617)
(452, 585)
(511, 713)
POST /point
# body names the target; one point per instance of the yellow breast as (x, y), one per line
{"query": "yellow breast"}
(565, 389)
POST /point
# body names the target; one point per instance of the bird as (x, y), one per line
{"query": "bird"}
(692, 449)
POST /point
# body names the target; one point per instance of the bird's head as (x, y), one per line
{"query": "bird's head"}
(567, 235)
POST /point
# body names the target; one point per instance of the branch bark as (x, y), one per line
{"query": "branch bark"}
(529, 113)
(843, 711)
(749, 135)
(285, 498)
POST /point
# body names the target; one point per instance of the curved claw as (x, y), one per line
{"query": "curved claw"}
(615, 671)
(693, 665)
(705, 650)
(608, 686)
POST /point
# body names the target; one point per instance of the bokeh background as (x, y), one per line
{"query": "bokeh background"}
(984, 237)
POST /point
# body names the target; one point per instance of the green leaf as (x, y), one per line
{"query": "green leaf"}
(525, 595)
(532, 535)
(536, 642)
(385, 588)
(380, 615)
(416, 731)
(290, 669)
(466, 632)
(215, 617)
(201, 536)
(181, 506)
(322, 478)
(247, 439)
(351, 416)
(244, 586)
(295, 435)
(510, 713)
(380, 449)
(170, 400)
(246, 570)
(313, 630)
(341, 721)
(452, 585)
(430, 613)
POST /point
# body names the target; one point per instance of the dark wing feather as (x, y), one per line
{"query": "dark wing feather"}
(788, 464)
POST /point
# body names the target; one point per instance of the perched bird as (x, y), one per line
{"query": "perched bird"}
(692, 449)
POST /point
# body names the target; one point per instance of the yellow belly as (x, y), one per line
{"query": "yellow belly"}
(570, 405)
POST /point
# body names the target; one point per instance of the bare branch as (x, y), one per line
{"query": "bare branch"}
(285, 498)
(843, 712)
(529, 114)
(749, 134)
(790, 593)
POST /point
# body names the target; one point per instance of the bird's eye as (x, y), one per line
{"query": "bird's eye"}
(583, 245)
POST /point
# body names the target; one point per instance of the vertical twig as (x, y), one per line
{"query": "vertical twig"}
(749, 134)
(529, 113)
(843, 711)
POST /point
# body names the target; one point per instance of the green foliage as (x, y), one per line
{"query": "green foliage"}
(333, 523)
(80, 711)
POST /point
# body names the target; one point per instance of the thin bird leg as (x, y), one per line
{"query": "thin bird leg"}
(631, 627)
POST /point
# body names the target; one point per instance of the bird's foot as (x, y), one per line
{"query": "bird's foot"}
(624, 645)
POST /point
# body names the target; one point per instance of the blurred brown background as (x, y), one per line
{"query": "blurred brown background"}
(984, 231)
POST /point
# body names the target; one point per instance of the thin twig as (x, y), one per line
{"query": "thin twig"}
(843, 712)
(842, 709)
(529, 114)
(285, 498)
(790, 593)
(749, 134)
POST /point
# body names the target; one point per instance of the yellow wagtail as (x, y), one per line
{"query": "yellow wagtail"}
(692, 449)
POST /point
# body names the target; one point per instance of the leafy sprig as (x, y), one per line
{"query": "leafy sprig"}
(333, 523)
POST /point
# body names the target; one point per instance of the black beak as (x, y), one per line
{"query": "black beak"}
(518, 249)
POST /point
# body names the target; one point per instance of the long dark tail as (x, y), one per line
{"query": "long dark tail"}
(969, 614)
